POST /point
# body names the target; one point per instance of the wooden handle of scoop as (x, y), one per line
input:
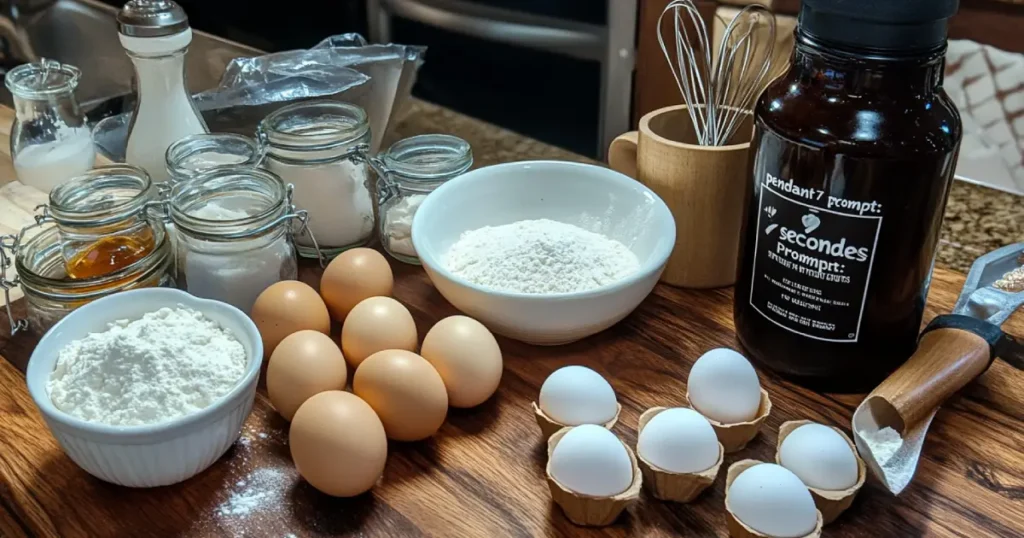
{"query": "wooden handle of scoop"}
(946, 360)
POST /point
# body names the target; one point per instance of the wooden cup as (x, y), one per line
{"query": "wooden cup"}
(704, 186)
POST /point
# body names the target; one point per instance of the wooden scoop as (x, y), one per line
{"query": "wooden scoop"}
(953, 350)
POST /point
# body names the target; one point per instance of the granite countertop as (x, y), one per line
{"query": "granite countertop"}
(978, 219)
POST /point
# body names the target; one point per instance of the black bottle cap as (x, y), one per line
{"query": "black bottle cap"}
(879, 25)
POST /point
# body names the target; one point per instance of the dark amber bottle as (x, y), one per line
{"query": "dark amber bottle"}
(853, 153)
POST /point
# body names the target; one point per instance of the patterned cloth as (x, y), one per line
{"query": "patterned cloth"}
(987, 85)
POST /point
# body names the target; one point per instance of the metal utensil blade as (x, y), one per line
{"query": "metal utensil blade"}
(979, 299)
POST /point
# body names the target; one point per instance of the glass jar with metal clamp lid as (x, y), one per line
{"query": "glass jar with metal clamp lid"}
(407, 172)
(200, 153)
(93, 239)
(234, 234)
(321, 148)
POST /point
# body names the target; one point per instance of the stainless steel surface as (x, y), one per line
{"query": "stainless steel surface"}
(83, 33)
(612, 45)
(718, 89)
(982, 301)
(151, 18)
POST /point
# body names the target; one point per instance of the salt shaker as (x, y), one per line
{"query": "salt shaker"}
(156, 35)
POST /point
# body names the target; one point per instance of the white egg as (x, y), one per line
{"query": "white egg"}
(724, 387)
(593, 461)
(679, 440)
(772, 500)
(820, 457)
(576, 395)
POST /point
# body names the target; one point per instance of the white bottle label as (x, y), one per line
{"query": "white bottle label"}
(813, 257)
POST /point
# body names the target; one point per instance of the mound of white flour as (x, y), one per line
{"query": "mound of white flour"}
(169, 363)
(539, 256)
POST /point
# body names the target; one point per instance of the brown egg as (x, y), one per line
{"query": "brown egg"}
(287, 307)
(376, 324)
(405, 391)
(467, 357)
(338, 444)
(304, 364)
(355, 275)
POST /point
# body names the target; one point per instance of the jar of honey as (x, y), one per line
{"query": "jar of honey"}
(102, 222)
(50, 294)
(93, 239)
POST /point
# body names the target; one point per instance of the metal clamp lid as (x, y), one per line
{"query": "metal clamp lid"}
(8, 250)
(151, 18)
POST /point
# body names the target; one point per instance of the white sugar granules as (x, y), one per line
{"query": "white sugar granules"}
(539, 257)
(169, 363)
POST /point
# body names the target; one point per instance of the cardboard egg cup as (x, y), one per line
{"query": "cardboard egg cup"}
(548, 426)
(831, 503)
(734, 437)
(676, 487)
(738, 529)
(588, 510)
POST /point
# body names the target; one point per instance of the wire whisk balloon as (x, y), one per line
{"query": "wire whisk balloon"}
(719, 87)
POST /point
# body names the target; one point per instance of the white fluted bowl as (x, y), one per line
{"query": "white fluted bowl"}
(156, 454)
(591, 197)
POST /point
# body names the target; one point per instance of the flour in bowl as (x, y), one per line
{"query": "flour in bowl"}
(170, 363)
(539, 257)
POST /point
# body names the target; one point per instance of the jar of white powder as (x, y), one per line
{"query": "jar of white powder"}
(234, 234)
(50, 141)
(408, 171)
(199, 153)
(320, 147)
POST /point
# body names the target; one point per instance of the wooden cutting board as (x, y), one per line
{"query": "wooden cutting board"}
(482, 475)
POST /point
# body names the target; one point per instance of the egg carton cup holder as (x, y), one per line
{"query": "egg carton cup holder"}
(587, 510)
(670, 486)
(831, 503)
(738, 529)
(548, 426)
(734, 437)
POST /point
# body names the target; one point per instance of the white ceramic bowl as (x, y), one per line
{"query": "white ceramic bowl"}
(588, 196)
(156, 454)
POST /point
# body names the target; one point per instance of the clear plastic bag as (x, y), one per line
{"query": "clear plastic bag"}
(344, 67)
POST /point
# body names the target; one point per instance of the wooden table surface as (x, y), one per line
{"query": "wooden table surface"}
(483, 473)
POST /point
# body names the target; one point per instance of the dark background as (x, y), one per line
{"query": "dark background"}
(543, 95)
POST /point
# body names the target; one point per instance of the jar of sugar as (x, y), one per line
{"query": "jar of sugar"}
(234, 234)
(199, 153)
(50, 141)
(408, 171)
(320, 147)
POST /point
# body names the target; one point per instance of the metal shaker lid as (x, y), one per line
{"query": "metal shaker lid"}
(151, 18)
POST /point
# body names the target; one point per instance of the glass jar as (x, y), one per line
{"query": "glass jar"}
(50, 141)
(234, 234)
(50, 294)
(319, 147)
(854, 150)
(102, 220)
(200, 153)
(407, 172)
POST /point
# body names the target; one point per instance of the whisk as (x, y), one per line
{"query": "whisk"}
(719, 89)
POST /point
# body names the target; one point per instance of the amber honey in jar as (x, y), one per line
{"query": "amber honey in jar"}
(854, 150)
(102, 221)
